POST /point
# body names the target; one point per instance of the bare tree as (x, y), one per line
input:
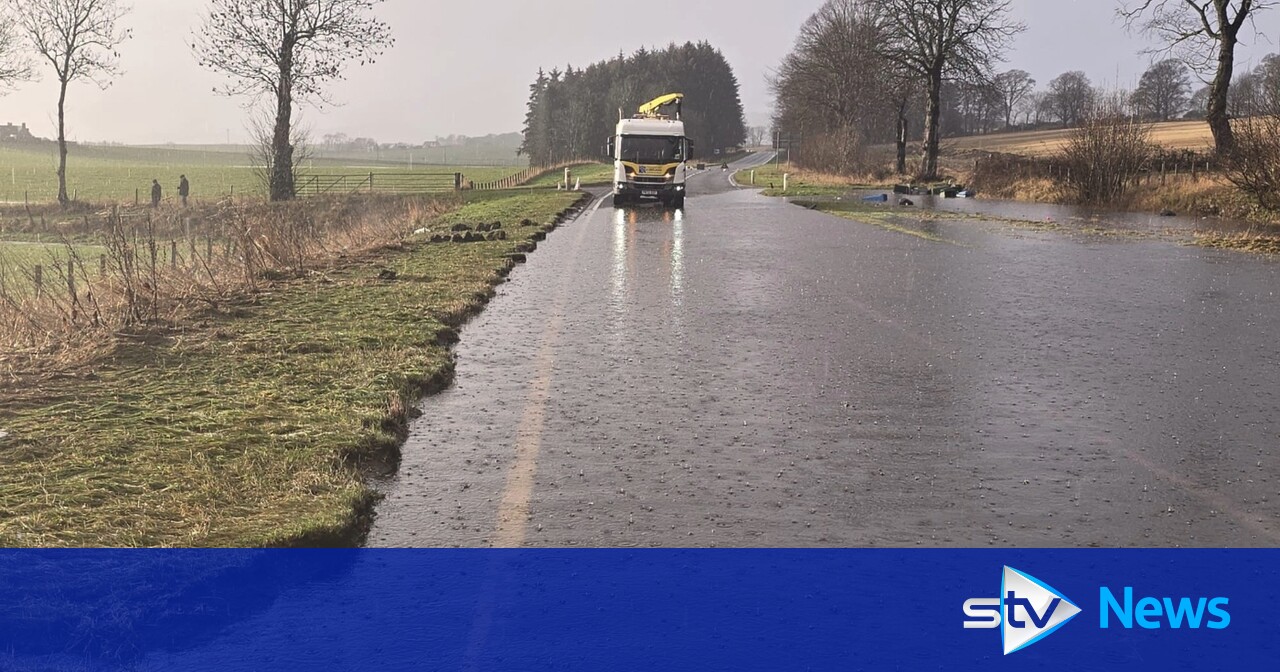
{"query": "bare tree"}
(756, 135)
(1254, 164)
(1107, 152)
(1072, 95)
(79, 39)
(940, 39)
(1204, 33)
(288, 49)
(1268, 74)
(14, 65)
(1013, 87)
(1040, 106)
(1164, 90)
(262, 150)
(1243, 98)
(832, 89)
(1198, 104)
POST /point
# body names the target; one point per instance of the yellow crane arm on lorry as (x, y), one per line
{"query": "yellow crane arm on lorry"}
(650, 109)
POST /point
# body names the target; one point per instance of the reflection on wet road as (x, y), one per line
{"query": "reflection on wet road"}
(750, 373)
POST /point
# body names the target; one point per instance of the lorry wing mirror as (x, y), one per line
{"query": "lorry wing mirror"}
(608, 148)
(688, 154)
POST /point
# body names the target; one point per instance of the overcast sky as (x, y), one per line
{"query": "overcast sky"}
(464, 66)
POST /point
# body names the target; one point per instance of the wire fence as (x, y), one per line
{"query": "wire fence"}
(1164, 168)
(379, 183)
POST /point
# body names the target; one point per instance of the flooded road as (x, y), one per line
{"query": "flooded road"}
(752, 373)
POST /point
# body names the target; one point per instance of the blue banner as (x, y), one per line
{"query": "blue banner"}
(231, 610)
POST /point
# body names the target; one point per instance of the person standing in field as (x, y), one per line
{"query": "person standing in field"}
(156, 193)
(184, 189)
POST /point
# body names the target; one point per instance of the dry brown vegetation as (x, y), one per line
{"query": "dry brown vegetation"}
(256, 423)
(1106, 154)
(155, 267)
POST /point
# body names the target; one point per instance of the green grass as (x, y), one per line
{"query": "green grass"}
(887, 219)
(116, 174)
(28, 253)
(18, 260)
(801, 183)
(247, 427)
(591, 174)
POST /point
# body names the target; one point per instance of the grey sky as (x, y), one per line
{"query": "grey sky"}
(464, 67)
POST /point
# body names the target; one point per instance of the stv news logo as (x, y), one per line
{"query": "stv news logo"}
(1027, 611)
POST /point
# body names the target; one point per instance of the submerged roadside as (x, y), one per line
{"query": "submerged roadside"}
(1209, 216)
(258, 425)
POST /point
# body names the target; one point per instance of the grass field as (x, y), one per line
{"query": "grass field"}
(1194, 135)
(18, 261)
(17, 254)
(247, 427)
(591, 174)
(23, 253)
(800, 182)
(115, 173)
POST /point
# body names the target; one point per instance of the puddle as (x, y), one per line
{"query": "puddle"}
(1141, 222)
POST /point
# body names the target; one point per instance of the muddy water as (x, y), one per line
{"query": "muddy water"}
(749, 373)
(1142, 222)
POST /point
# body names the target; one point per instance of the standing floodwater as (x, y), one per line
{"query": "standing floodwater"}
(750, 373)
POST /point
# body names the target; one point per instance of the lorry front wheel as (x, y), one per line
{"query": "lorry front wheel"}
(678, 202)
(619, 201)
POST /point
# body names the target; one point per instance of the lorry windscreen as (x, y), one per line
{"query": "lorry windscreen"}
(652, 149)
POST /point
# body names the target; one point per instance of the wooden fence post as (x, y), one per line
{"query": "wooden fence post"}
(38, 277)
(71, 287)
(173, 253)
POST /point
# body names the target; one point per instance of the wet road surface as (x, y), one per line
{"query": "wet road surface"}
(751, 373)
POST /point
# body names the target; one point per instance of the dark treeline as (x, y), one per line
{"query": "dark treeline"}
(573, 112)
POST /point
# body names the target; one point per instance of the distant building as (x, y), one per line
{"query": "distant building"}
(11, 133)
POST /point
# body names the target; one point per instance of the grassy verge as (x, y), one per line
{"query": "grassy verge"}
(591, 174)
(885, 218)
(253, 426)
(801, 182)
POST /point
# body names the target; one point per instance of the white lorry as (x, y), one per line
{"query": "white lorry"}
(651, 156)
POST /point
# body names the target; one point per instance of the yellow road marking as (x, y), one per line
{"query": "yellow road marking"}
(513, 512)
